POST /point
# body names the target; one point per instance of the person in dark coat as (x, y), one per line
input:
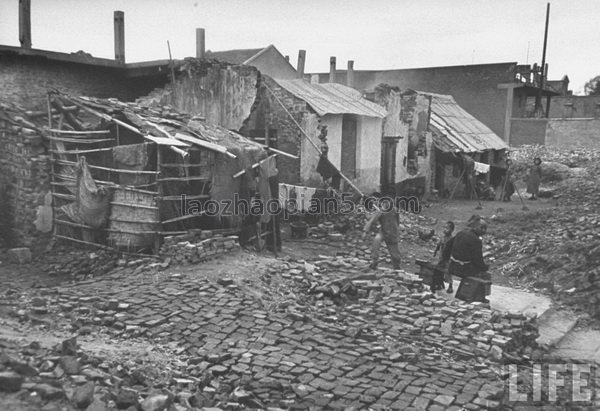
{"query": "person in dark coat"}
(506, 187)
(387, 217)
(534, 176)
(466, 251)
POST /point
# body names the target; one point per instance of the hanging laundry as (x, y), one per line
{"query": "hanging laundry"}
(481, 168)
(270, 166)
(328, 170)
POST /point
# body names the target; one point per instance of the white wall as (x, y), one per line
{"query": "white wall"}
(368, 153)
(368, 150)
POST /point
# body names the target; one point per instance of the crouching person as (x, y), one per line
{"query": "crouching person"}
(466, 252)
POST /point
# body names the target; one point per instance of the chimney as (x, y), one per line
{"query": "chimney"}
(350, 74)
(332, 69)
(25, 23)
(301, 60)
(200, 43)
(287, 58)
(119, 36)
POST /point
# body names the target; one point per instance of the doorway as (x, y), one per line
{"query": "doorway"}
(348, 160)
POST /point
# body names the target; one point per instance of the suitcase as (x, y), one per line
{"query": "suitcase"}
(473, 289)
(432, 275)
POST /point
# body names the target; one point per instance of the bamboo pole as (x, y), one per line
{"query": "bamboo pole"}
(114, 170)
(93, 150)
(78, 132)
(77, 140)
(236, 175)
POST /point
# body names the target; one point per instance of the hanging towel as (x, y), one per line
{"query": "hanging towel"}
(270, 166)
(481, 168)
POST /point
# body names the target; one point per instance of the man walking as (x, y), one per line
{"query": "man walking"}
(386, 215)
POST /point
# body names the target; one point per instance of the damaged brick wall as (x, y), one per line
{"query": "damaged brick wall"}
(24, 182)
(25, 80)
(408, 120)
(221, 93)
(268, 113)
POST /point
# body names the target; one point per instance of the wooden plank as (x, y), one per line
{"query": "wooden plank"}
(191, 178)
(114, 185)
(239, 173)
(113, 170)
(80, 140)
(165, 141)
(205, 144)
(283, 153)
(94, 150)
(187, 197)
(78, 133)
(131, 205)
(177, 165)
(183, 217)
(104, 183)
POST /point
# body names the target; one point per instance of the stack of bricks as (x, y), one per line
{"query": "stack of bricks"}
(24, 180)
(197, 246)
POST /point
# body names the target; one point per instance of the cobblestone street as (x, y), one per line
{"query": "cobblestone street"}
(277, 333)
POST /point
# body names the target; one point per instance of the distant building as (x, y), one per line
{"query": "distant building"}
(492, 93)
(267, 60)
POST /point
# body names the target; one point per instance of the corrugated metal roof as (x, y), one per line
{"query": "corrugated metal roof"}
(332, 98)
(455, 130)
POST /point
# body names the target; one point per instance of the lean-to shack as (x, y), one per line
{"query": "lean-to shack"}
(126, 175)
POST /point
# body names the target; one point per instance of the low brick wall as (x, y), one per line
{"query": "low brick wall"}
(196, 247)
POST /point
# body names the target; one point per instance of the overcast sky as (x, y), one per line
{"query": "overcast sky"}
(376, 34)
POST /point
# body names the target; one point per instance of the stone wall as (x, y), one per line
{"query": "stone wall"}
(573, 133)
(24, 182)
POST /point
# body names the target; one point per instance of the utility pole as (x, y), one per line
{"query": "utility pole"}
(538, 100)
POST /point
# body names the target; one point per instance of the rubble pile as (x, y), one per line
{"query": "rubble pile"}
(198, 246)
(79, 263)
(558, 248)
(557, 164)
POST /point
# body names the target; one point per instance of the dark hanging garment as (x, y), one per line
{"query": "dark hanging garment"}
(335, 181)
(328, 170)
(325, 168)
